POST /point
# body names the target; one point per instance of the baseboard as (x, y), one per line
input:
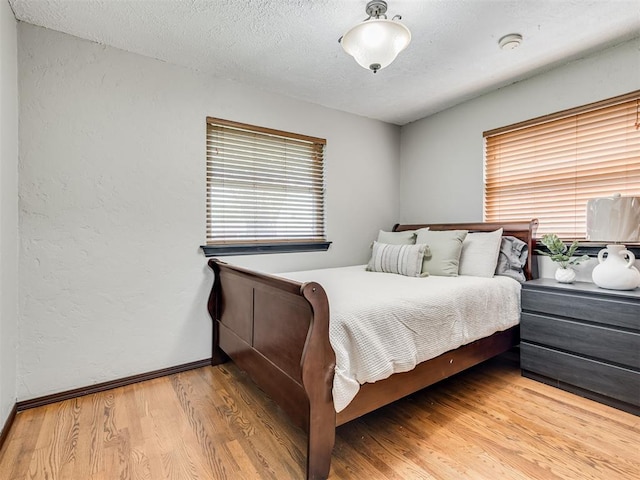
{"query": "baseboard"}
(7, 425)
(101, 387)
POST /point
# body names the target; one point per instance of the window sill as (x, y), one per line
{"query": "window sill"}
(592, 248)
(250, 249)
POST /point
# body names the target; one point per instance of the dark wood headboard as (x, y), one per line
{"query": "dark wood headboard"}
(524, 230)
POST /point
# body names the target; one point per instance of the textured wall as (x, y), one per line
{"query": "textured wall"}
(8, 209)
(112, 205)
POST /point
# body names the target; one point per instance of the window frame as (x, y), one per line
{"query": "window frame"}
(281, 244)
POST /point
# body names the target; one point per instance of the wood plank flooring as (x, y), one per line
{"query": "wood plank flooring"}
(213, 423)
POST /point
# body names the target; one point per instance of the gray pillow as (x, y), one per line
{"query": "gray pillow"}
(445, 247)
(512, 258)
(407, 237)
(401, 259)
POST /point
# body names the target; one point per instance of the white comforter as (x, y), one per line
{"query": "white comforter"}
(382, 323)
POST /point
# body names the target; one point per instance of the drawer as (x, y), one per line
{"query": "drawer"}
(603, 343)
(606, 310)
(608, 380)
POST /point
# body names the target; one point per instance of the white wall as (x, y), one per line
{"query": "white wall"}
(441, 176)
(112, 205)
(8, 209)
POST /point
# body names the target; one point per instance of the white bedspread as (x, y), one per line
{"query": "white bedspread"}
(382, 323)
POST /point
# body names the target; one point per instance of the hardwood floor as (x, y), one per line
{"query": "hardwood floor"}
(213, 423)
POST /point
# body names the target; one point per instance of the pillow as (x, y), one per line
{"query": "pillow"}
(479, 255)
(512, 258)
(445, 247)
(401, 259)
(407, 237)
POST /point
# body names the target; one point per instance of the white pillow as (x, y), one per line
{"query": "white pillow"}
(480, 252)
(401, 259)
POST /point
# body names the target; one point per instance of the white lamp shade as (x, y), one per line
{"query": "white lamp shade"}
(613, 219)
(376, 42)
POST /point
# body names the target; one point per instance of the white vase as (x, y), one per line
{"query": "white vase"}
(565, 275)
(616, 271)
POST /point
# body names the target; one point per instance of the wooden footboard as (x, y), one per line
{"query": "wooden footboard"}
(277, 330)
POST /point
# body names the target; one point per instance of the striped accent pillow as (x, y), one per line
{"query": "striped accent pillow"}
(401, 259)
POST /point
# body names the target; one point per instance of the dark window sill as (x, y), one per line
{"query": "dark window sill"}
(592, 248)
(250, 249)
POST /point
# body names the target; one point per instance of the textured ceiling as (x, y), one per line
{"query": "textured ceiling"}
(291, 46)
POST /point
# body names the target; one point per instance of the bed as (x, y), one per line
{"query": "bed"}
(277, 330)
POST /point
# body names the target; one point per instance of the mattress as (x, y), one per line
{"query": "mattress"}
(382, 323)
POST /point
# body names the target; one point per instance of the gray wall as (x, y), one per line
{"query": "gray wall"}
(441, 159)
(112, 205)
(8, 209)
(441, 172)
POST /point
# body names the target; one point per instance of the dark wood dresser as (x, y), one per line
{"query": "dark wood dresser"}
(583, 339)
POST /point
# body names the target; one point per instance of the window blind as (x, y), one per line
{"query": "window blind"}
(547, 168)
(263, 186)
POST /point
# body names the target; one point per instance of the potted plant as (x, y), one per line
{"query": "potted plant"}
(563, 256)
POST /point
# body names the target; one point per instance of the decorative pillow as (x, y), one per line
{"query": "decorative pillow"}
(445, 247)
(479, 255)
(407, 237)
(512, 258)
(401, 259)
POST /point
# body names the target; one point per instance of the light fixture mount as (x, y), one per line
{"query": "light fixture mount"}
(376, 8)
(377, 41)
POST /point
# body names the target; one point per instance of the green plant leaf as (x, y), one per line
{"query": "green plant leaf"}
(559, 252)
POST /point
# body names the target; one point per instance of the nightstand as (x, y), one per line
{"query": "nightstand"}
(583, 339)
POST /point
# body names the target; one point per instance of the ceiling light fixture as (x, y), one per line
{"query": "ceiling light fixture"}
(511, 41)
(376, 42)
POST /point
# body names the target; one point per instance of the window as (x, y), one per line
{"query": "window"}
(265, 190)
(547, 168)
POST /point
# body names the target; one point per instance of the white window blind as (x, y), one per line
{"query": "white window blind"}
(263, 186)
(547, 168)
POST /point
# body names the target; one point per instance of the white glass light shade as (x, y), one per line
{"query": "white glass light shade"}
(376, 43)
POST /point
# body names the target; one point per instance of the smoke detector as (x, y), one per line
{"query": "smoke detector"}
(511, 41)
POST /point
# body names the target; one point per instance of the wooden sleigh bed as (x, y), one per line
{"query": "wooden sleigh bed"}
(277, 330)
